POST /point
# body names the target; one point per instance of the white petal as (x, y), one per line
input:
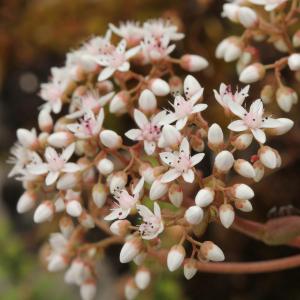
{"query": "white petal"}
(134, 134)
(68, 152)
(270, 123)
(259, 135)
(185, 147)
(168, 119)
(71, 168)
(138, 186)
(140, 119)
(170, 176)
(117, 213)
(237, 125)
(189, 176)
(50, 153)
(38, 169)
(144, 211)
(199, 107)
(197, 158)
(121, 46)
(52, 177)
(257, 107)
(106, 73)
(132, 52)
(181, 123)
(157, 210)
(237, 109)
(167, 157)
(124, 67)
(149, 147)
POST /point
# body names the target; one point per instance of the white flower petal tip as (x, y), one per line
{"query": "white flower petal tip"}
(175, 257)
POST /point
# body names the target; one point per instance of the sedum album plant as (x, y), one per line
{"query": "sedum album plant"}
(136, 185)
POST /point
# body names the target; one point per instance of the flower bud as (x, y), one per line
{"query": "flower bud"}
(281, 45)
(120, 227)
(66, 226)
(59, 205)
(56, 263)
(197, 143)
(211, 251)
(45, 120)
(139, 259)
(226, 214)
(296, 39)
(118, 104)
(243, 205)
(189, 268)
(74, 208)
(159, 87)
(244, 168)
(268, 157)
(242, 191)
(60, 139)
(130, 249)
(224, 161)
(67, 181)
(176, 84)
(285, 125)
(131, 290)
(233, 50)
(170, 137)
(205, 197)
(193, 63)
(175, 257)
(294, 61)
(286, 97)
(27, 138)
(105, 166)
(267, 94)
(110, 139)
(26, 202)
(194, 215)
(142, 278)
(44, 212)
(221, 48)
(247, 17)
(158, 190)
(253, 73)
(230, 11)
(259, 171)
(215, 136)
(99, 194)
(117, 180)
(147, 172)
(242, 141)
(147, 102)
(88, 289)
(86, 220)
(175, 194)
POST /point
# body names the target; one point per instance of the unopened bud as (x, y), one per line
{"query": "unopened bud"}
(56, 263)
(267, 94)
(170, 137)
(226, 214)
(142, 278)
(211, 251)
(130, 249)
(252, 73)
(286, 97)
(194, 215)
(99, 194)
(86, 220)
(247, 17)
(294, 61)
(268, 157)
(224, 161)
(189, 268)
(67, 181)
(242, 191)
(243, 205)
(215, 136)
(158, 190)
(175, 194)
(244, 168)
(175, 257)
(131, 290)
(230, 11)
(285, 125)
(296, 39)
(105, 166)
(120, 227)
(242, 141)
(26, 202)
(44, 212)
(45, 120)
(281, 45)
(74, 208)
(259, 171)
(118, 104)
(147, 172)
(205, 197)
(117, 181)
(159, 87)
(88, 289)
(147, 101)
(60, 139)
(27, 138)
(110, 139)
(193, 63)
(66, 226)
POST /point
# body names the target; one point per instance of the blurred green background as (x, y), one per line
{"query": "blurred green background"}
(34, 36)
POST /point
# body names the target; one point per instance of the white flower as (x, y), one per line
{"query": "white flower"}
(55, 164)
(252, 120)
(149, 131)
(181, 163)
(184, 108)
(226, 94)
(117, 60)
(89, 125)
(269, 4)
(126, 202)
(153, 224)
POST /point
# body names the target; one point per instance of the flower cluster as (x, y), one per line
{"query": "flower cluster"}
(267, 23)
(133, 184)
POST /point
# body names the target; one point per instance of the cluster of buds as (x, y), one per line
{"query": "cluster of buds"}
(274, 23)
(136, 184)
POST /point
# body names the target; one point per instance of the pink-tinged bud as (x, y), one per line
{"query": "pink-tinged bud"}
(224, 161)
(267, 94)
(205, 197)
(130, 249)
(26, 202)
(140, 258)
(233, 50)
(267, 156)
(253, 73)
(194, 215)
(45, 120)
(56, 263)
(66, 226)
(286, 97)
(175, 257)
(44, 212)
(197, 143)
(142, 278)
(159, 87)
(221, 48)
(285, 126)
(59, 205)
(74, 208)
(43, 139)
(99, 194)
(86, 220)
(294, 61)
(120, 227)
(243, 205)
(189, 268)
(171, 137)
(119, 103)
(158, 190)
(193, 63)
(105, 166)
(211, 251)
(175, 194)
(67, 181)
(230, 11)
(243, 141)
(242, 191)
(244, 168)
(147, 102)
(27, 138)
(117, 181)
(296, 39)
(247, 17)
(147, 172)
(215, 136)
(61, 139)
(110, 139)
(281, 45)
(131, 290)
(176, 84)
(88, 289)
(259, 171)
(226, 214)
